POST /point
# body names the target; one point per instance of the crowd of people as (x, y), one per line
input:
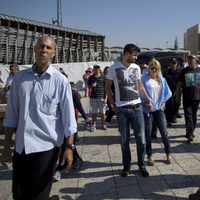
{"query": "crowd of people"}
(42, 112)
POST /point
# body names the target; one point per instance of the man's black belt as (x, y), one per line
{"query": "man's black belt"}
(132, 106)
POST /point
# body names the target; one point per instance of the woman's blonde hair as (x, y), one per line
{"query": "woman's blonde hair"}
(156, 63)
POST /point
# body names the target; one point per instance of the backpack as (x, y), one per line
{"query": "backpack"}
(78, 161)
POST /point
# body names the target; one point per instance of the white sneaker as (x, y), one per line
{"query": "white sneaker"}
(57, 176)
(93, 128)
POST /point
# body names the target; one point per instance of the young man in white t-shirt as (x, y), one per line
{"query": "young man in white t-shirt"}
(126, 76)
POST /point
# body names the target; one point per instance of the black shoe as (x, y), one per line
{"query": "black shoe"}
(54, 197)
(144, 171)
(125, 171)
(178, 116)
(154, 136)
(169, 124)
(174, 120)
(190, 139)
(195, 196)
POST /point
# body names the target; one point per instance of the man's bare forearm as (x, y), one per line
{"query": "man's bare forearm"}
(109, 91)
(70, 139)
(8, 136)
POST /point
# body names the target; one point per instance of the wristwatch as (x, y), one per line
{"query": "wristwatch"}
(71, 146)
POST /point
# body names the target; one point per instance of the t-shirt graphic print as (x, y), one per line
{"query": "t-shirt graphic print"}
(127, 81)
(192, 79)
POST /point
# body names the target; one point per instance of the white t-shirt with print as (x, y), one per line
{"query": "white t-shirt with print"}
(126, 83)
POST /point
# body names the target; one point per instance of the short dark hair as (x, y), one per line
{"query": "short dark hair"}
(173, 60)
(129, 48)
(14, 65)
(96, 66)
(192, 56)
(72, 84)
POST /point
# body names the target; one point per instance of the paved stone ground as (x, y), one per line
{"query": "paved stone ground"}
(99, 177)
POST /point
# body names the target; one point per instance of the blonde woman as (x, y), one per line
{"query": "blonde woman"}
(158, 91)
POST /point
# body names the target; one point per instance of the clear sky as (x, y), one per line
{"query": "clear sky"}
(148, 23)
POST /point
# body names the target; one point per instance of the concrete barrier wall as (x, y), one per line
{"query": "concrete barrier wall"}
(74, 71)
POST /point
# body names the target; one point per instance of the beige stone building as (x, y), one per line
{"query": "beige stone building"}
(192, 39)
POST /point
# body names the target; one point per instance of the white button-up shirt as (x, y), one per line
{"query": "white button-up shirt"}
(9, 80)
(41, 108)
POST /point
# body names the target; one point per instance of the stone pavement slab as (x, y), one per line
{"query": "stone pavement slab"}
(99, 176)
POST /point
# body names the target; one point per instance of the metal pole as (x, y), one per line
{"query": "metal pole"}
(58, 20)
